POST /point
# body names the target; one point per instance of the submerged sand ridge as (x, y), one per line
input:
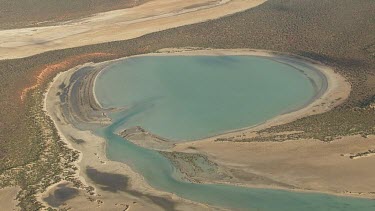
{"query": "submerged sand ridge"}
(123, 24)
(336, 82)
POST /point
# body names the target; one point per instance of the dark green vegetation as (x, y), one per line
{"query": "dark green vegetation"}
(26, 13)
(194, 167)
(362, 154)
(33, 156)
(339, 33)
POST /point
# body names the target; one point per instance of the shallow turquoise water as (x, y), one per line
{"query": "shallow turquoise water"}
(159, 172)
(191, 97)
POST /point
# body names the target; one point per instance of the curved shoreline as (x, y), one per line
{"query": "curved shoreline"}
(324, 96)
(334, 85)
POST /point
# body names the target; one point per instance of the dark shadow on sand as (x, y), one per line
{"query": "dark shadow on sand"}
(61, 195)
(119, 183)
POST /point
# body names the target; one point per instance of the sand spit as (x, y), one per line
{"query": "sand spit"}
(303, 165)
(123, 24)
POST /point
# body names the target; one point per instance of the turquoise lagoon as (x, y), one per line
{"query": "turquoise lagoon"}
(191, 97)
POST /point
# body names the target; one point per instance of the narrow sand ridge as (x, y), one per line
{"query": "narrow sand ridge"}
(115, 25)
(228, 155)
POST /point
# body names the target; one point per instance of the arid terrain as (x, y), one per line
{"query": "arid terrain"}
(25, 13)
(115, 25)
(327, 152)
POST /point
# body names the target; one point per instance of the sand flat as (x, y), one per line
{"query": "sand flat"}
(306, 164)
(123, 24)
(8, 199)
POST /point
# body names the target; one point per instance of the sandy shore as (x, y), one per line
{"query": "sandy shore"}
(269, 164)
(123, 24)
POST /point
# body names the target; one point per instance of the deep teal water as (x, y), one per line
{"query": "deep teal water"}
(160, 173)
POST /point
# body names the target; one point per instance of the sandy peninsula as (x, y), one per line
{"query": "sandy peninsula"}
(302, 165)
(153, 16)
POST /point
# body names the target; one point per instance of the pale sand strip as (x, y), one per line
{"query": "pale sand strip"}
(123, 24)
